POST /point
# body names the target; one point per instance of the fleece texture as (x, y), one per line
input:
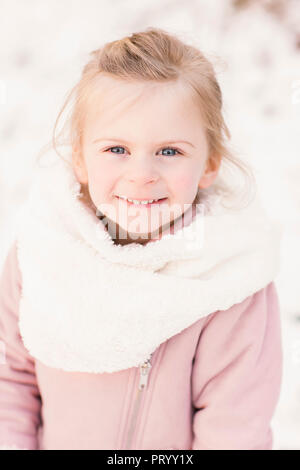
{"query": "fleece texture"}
(90, 305)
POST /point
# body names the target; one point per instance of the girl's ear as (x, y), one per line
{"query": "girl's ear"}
(79, 166)
(211, 171)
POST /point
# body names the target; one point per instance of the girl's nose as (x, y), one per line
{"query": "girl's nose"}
(142, 173)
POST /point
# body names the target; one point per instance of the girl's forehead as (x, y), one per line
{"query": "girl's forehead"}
(145, 110)
(110, 93)
(114, 97)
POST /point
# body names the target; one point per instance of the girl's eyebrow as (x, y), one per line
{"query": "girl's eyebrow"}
(127, 143)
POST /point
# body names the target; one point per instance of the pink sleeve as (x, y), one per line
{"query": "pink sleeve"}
(237, 374)
(20, 401)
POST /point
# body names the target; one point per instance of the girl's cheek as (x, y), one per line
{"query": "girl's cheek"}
(184, 184)
(185, 189)
(103, 164)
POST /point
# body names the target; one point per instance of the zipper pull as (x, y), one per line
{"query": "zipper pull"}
(144, 372)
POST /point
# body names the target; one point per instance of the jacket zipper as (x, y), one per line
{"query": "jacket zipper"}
(144, 369)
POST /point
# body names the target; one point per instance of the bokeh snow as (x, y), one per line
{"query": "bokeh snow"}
(255, 46)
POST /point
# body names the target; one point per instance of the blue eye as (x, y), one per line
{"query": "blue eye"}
(117, 147)
(172, 149)
(165, 148)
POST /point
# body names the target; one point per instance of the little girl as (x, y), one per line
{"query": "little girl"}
(138, 308)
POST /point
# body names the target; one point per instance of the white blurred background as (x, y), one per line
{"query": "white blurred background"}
(256, 44)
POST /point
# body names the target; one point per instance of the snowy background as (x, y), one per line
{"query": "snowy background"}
(256, 44)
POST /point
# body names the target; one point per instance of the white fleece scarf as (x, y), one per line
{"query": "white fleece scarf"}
(90, 305)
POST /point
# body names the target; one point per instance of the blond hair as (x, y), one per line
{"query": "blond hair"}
(157, 56)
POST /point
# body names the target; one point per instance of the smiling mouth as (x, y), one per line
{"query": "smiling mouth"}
(150, 204)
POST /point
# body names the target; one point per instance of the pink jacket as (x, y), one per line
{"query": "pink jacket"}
(215, 385)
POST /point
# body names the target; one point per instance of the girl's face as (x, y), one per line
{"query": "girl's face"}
(142, 141)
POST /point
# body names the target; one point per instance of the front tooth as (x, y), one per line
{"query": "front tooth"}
(135, 201)
(138, 202)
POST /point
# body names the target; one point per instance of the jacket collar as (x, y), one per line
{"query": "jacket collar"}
(91, 305)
